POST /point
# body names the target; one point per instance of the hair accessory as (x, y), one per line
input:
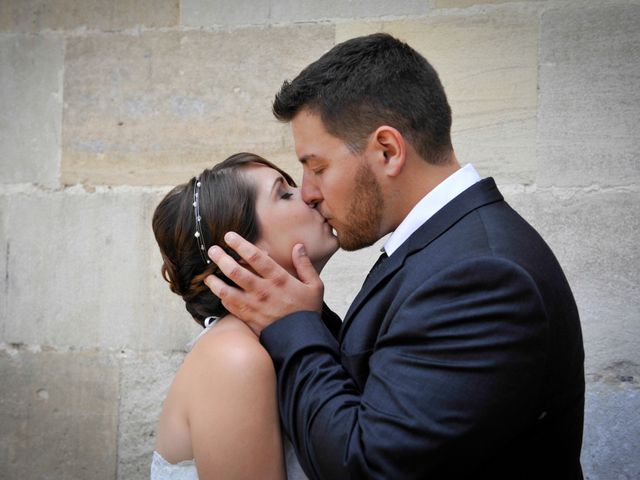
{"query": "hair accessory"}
(210, 321)
(196, 211)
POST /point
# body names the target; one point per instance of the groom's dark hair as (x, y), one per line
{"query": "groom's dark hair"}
(367, 82)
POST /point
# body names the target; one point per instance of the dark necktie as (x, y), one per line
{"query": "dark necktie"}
(379, 262)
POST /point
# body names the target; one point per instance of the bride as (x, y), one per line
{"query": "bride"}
(220, 417)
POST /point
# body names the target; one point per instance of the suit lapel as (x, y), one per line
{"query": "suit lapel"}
(482, 193)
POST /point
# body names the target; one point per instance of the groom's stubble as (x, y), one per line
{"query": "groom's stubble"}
(363, 218)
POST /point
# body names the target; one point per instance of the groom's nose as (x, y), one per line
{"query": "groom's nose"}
(309, 190)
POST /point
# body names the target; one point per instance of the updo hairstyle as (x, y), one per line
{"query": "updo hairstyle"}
(227, 200)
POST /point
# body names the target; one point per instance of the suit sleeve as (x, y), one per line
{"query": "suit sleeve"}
(454, 375)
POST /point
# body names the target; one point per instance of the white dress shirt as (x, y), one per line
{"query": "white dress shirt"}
(445, 191)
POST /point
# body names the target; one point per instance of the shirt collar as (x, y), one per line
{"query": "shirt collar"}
(443, 193)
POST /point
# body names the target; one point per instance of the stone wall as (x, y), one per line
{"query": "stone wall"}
(104, 104)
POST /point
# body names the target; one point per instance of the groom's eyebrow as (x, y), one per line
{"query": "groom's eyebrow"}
(303, 159)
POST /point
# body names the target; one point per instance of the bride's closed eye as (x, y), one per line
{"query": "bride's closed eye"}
(286, 195)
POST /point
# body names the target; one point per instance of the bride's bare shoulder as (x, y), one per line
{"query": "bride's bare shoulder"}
(232, 346)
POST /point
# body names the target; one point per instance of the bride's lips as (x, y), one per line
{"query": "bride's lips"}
(327, 222)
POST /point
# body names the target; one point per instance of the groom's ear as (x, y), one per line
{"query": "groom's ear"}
(389, 150)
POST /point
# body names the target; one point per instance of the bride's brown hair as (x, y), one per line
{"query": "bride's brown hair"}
(227, 200)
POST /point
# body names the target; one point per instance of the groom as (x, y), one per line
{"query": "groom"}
(462, 354)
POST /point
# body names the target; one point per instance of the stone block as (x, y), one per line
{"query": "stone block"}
(248, 12)
(30, 16)
(589, 96)
(155, 108)
(488, 66)
(31, 113)
(84, 272)
(145, 380)
(58, 414)
(5, 250)
(466, 3)
(610, 447)
(310, 10)
(196, 13)
(595, 238)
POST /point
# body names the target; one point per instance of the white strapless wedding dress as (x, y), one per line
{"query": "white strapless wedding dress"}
(163, 470)
(186, 470)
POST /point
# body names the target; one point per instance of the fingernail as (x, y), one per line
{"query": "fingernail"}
(213, 251)
(302, 251)
(230, 237)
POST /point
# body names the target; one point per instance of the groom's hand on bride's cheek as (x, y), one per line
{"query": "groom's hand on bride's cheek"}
(267, 293)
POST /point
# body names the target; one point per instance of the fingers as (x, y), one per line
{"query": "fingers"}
(266, 292)
(232, 269)
(233, 299)
(308, 275)
(304, 268)
(259, 261)
(219, 288)
(264, 267)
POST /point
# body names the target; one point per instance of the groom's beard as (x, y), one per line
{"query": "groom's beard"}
(362, 221)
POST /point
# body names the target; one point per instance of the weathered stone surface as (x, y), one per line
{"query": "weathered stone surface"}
(595, 237)
(5, 248)
(589, 97)
(84, 271)
(611, 429)
(58, 414)
(195, 13)
(31, 113)
(466, 3)
(145, 379)
(310, 10)
(79, 269)
(37, 15)
(248, 12)
(156, 108)
(488, 66)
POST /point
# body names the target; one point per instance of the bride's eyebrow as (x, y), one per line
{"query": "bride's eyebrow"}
(279, 181)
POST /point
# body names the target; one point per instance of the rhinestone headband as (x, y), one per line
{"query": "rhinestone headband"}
(196, 211)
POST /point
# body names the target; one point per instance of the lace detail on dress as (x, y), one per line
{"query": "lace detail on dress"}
(163, 470)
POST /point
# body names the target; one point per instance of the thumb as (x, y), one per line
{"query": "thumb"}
(304, 268)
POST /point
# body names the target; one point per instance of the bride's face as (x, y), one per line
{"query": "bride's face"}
(285, 220)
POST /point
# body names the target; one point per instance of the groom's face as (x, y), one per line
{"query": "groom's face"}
(340, 183)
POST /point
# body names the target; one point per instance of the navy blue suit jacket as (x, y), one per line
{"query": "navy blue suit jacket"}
(461, 357)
